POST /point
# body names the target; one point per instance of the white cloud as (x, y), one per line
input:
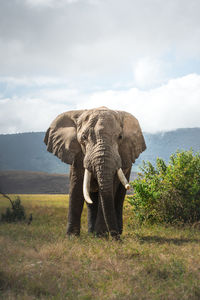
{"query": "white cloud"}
(59, 95)
(32, 81)
(56, 3)
(175, 104)
(149, 72)
(28, 114)
(102, 40)
(40, 2)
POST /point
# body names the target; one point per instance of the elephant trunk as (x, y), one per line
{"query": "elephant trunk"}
(105, 181)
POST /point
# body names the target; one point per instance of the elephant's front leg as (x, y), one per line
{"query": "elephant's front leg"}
(76, 201)
(92, 212)
(119, 201)
(120, 193)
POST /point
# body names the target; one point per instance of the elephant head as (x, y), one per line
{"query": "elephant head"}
(105, 142)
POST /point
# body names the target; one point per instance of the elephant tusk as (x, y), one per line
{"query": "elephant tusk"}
(86, 186)
(123, 179)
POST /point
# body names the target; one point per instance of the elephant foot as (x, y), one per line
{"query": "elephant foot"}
(115, 236)
(104, 234)
(72, 234)
(73, 231)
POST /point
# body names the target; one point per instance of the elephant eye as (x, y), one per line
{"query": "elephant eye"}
(120, 137)
(83, 137)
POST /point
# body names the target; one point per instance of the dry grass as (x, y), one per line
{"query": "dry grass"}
(38, 262)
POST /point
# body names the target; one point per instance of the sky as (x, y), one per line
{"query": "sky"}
(140, 56)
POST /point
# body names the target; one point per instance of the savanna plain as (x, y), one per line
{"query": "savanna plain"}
(37, 261)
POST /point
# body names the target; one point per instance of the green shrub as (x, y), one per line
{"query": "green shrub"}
(168, 193)
(16, 213)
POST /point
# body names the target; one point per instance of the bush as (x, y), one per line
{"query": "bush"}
(168, 193)
(16, 213)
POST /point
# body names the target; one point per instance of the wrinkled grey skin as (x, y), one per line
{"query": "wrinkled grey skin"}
(102, 141)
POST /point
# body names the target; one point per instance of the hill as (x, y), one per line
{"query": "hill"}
(27, 151)
(163, 144)
(26, 182)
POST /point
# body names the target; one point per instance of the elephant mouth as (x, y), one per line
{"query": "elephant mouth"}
(87, 182)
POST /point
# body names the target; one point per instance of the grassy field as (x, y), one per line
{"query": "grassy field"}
(37, 261)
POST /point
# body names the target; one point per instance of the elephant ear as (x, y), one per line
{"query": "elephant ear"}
(133, 142)
(61, 138)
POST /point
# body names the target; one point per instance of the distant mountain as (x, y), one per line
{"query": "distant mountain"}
(27, 182)
(163, 144)
(27, 151)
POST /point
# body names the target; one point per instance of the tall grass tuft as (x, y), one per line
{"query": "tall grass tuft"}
(15, 213)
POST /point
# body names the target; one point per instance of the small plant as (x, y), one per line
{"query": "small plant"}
(15, 213)
(168, 193)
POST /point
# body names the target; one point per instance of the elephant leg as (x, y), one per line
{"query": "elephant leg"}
(92, 212)
(76, 201)
(119, 200)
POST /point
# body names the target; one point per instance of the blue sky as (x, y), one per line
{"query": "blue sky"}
(141, 56)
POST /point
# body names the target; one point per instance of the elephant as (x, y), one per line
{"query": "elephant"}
(100, 144)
